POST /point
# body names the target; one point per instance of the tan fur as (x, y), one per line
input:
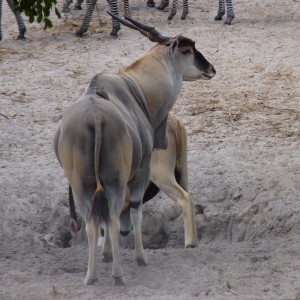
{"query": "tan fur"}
(163, 164)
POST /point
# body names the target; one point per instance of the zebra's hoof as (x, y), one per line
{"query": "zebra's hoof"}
(218, 17)
(79, 33)
(228, 21)
(171, 15)
(183, 16)
(65, 10)
(114, 32)
(162, 6)
(21, 37)
(150, 3)
(77, 7)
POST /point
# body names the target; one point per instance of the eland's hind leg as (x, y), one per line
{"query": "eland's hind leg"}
(136, 215)
(92, 230)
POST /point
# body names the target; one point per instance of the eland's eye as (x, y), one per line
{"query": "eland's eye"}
(186, 51)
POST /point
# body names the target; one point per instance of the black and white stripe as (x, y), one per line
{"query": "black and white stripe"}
(21, 25)
(221, 11)
(113, 4)
(185, 9)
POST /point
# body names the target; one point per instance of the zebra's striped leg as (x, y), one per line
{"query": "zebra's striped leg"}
(163, 4)
(113, 4)
(150, 3)
(185, 10)
(221, 11)
(230, 12)
(173, 10)
(21, 25)
(87, 18)
(127, 8)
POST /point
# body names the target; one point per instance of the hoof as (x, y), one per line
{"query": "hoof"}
(218, 17)
(118, 281)
(90, 281)
(114, 34)
(79, 33)
(190, 246)
(228, 21)
(21, 37)
(65, 10)
(162, 6)
(77, 7)
(150, 3)
(142, 262)
(115, 31)
(183, 16)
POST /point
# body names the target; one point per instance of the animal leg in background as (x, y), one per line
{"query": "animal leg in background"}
(88, 16)
(163, 4)
(185, 9)
(20, 22)
(221, 11)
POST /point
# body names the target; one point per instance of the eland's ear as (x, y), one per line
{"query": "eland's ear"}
(174, 46)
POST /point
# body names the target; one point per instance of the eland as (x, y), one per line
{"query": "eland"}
(169, 174)
(105, 140)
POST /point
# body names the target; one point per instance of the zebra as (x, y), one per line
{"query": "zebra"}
(113, 4)
(221, 11)
(21, 24)
(164, 3)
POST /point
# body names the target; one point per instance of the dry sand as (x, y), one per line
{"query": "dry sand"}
(244, 160)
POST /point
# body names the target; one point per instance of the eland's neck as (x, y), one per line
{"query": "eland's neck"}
(159, 81)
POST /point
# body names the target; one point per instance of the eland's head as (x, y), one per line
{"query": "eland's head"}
(191, 63)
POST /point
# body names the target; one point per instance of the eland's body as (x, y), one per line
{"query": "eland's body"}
(169, 174)
(106, 138)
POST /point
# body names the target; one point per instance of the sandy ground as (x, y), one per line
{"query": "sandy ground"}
(244, 164)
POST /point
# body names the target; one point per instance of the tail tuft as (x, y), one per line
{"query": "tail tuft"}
(100, 210)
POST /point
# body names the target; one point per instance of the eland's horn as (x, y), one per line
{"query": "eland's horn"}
(150, 32)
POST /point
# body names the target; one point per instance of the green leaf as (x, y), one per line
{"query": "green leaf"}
(31, 18)
(57, 12)
(48, 23)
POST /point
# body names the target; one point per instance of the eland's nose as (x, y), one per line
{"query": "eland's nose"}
(214, 70)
